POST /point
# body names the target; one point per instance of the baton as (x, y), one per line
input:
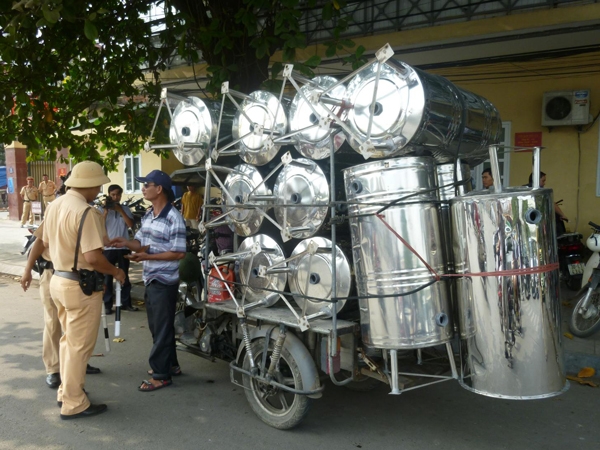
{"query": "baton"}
(106, 337)
(118, 310)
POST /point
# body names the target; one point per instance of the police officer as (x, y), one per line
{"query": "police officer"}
(79, 313)
(29, 193)
(52, 329)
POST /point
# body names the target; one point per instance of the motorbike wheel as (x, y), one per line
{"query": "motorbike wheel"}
(573, 282)
(276, 407)
(584, 326)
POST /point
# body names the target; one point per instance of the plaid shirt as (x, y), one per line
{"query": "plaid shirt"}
(165, 233)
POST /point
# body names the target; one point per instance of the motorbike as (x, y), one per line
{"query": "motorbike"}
(585, 319)
(570, 259)
(27, 244)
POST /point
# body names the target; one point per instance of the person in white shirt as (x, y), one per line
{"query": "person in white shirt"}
(118, 221)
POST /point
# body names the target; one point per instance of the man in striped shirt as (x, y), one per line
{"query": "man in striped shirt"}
(159, 244)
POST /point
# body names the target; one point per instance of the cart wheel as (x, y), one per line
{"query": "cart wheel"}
(276, 407)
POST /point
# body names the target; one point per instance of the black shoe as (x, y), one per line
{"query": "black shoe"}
(129, 308)
(91, 411)
(53, 380)
(92, 370)
(108, 311)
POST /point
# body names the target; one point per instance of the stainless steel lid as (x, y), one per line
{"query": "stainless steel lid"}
(253, 285)
(243, 180)
(262, 112)
(302, 195)
(312, 275)
(316, 142)
(192, 123)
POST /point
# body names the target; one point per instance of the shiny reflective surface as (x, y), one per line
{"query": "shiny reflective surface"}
(243, 180)
(194, 121)
(383, 265)
(261, 109)
(426, 111)
(445, 175)
(302, 187)
(312, 275)
(315, 142)
(253, 285)
(512, 323)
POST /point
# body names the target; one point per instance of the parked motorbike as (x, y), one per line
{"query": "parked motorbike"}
(585, 319)
(27, 244)
(570, 259)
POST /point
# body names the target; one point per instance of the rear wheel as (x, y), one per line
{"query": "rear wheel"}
(584, 324)
(276, 407)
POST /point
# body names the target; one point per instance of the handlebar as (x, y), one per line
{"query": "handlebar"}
(594, 226)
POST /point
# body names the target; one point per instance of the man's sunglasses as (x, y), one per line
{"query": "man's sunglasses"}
(147, 185)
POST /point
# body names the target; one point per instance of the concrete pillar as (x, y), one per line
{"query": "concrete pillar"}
(16, 174)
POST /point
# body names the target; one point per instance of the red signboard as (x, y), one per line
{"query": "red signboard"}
(528, 139)
(62, 172)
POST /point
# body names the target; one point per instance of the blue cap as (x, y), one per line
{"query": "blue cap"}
(159, 178)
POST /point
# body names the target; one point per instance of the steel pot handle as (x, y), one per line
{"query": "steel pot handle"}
(495, 166)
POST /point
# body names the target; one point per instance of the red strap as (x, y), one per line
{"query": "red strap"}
(501, 273)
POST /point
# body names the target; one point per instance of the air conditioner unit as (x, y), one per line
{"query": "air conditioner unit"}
(562, 108)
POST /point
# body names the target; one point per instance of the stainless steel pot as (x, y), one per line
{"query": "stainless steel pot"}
(383, 265)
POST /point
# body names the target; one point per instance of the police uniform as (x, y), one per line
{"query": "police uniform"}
(47, 191)
(52, 329)
(28, 194)
(79, 314)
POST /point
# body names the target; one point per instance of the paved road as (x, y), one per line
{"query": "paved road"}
(204, 410)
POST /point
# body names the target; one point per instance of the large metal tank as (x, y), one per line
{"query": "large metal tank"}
(408, 111)
(511, 323)
(384, 266)
(447, 191)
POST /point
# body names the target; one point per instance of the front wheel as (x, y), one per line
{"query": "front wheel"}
(584, 324)
(276, 407)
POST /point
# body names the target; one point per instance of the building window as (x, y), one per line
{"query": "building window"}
(503, 161)
(133, 168)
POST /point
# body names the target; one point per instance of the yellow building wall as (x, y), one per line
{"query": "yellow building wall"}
(149, 161)
(570, 156)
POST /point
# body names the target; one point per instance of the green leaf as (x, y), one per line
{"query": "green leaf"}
(50, 16)
(313, 61)
(90, 31)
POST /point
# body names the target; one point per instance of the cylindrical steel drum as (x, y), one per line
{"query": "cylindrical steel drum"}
(383, 265)
(262, 118)
(312, 275)
(242, 181)
(447, 191)
(426, 111)
(260, 288)
(511, 323)
(302, 195)
(195, 122)
(317, 139)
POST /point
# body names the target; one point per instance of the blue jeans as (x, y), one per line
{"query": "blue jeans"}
(161, 300)
(117, 257)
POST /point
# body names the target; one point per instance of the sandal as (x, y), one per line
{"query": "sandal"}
(147, 386)
(175, 371)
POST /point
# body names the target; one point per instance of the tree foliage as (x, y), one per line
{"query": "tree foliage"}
(87, 75)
